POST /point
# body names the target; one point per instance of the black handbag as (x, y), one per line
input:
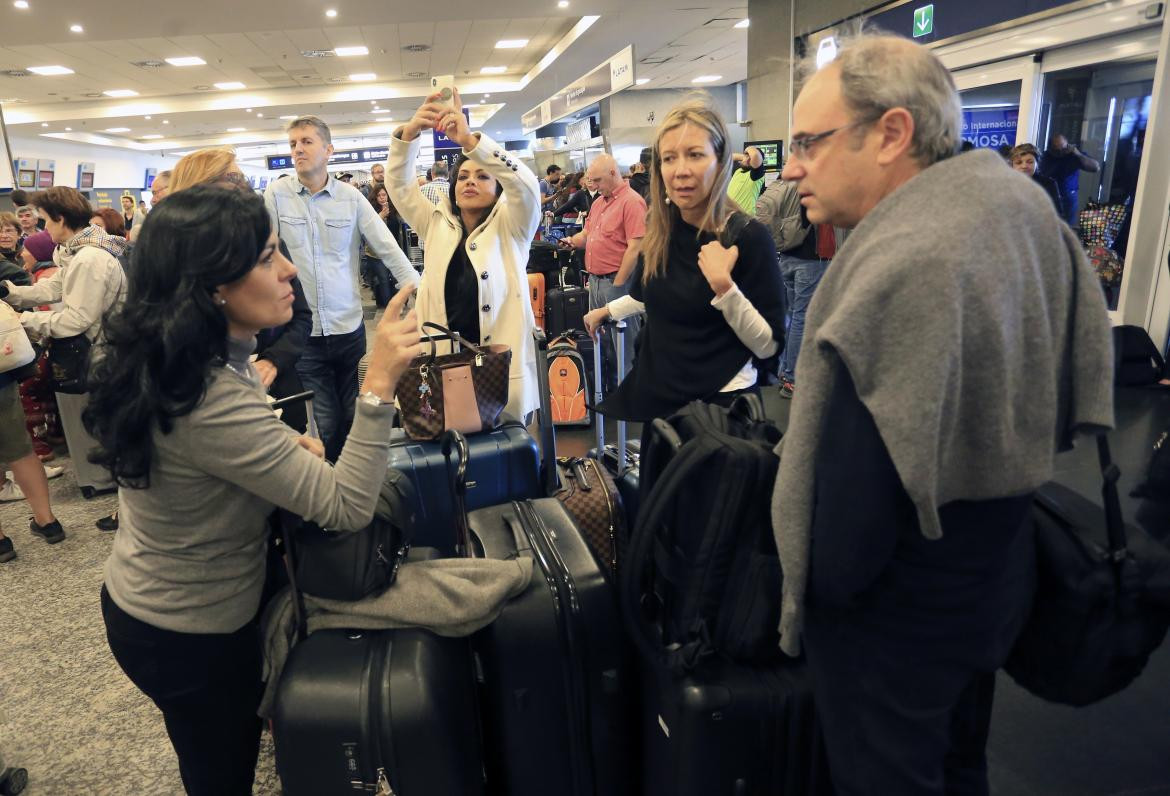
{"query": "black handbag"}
(353, 565)
(1102, 601)
(69, 362)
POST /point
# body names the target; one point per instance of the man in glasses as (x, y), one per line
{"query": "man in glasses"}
(938, 377)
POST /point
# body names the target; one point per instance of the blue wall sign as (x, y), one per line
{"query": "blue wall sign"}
(990, 127)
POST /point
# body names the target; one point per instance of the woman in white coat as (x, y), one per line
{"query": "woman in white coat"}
(475, 240)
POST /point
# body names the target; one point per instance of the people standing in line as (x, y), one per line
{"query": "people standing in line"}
(376, 273)
(710, 310)
(438, 186)
(477, 238)
(323, 222)
(612, 238)
(550, 184)
(581, 201)
(10, 249)
(110, 220)
(1064, 163)
(747, 180)
(1023, 159)
(89, 282)
(131, 215)
(901, 509)
(640, 182)
(377, 177)
(183, 582)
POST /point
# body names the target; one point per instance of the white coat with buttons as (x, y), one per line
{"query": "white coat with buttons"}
(497, 249)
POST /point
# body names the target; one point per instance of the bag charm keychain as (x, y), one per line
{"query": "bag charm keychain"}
(424, 392)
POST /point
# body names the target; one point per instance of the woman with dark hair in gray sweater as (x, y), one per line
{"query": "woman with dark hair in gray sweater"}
(184, 427)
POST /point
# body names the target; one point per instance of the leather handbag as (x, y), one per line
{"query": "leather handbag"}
(591, 497)
(465, 390)
(16, 350)
(69, 361)
(1102, 603)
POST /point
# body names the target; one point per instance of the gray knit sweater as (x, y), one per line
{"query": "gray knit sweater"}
(189, 555)
(976, 335)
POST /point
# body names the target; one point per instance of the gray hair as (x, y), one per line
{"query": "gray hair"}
(439, 170)
(880, 72)
(316, 123)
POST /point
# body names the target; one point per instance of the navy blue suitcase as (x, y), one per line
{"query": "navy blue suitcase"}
(503, 465)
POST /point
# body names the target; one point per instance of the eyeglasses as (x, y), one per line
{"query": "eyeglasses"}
(798, 147)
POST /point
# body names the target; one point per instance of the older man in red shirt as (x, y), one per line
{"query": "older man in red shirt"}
(612, 238)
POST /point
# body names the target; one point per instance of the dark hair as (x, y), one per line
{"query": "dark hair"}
(66, 205)
(645, 157)
(451, 191)
(112, 220)
(372, 197)
(162, 343)
(551, 169)
(19, 198)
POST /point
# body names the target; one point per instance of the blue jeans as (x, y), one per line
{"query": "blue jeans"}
(602, 291)
(801, 278)
(381, 282)
(328, 367)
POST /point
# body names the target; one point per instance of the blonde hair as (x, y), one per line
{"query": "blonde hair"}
(205, 165)
(656, 245)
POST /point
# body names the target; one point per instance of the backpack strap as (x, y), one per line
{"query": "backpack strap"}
(734, 225)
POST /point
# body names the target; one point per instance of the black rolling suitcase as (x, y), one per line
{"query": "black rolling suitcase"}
(621, 459)
(556, 696)
(565, 308)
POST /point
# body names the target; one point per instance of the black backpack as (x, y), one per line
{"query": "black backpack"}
(1102, 601)
(1137, 361)
(702, 575)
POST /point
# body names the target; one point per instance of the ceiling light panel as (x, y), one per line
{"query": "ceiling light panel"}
(511, 44)
(121, 93)
(707, 78)
(230, 86)
(493, 70)
(117, 130)
(743, 23)
(77, 29)
(50, 70)
(186, 60)
(349, 52)
(363, 77)
(21, 4)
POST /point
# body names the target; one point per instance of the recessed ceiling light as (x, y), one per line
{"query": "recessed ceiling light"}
(331, 12)
(380, 110)
(499, 132)
(44, 124)
(77, 29)
(117, 130)
(348, 52)
(259, 115)
(147, 118)
(641, 81)
(247, 110)
(50, 70)
(186, 60)
(121, 92)
(237, 129)
(21, 4)
(563, 4)
(707, 78)
(166, 121)
(743, 23)
(373, 102)
(153, 137)
(511, 44)
(493, 70)
(486, 96)
(363, 77)
(288, 118)
(69, 129)
(230, 86)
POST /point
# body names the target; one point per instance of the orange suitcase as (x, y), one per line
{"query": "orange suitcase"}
(536, 296)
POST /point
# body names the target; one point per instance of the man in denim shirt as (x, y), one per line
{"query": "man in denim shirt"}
(323, 222)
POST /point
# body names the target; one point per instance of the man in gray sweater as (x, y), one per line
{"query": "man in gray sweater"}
(958, 342)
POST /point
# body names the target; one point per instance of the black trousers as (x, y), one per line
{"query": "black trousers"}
(207, 686)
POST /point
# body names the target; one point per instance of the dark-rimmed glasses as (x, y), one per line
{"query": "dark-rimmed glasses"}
(798, 147)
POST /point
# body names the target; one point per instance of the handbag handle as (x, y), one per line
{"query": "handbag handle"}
(458, 338)
(1114, 523)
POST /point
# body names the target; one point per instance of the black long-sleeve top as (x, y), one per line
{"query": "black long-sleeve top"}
(579, 202)
(283, 345)
(687, 350)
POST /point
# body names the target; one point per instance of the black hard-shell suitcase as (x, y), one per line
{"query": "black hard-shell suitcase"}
(544, 258)
(732, 729)
(555, 670)
(503, 465)
(387, 711)
(565, 308)
(556, 697)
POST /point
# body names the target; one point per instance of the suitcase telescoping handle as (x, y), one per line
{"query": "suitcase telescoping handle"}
(453, 442)
(548, 434)
(290, 553)
(619, 329)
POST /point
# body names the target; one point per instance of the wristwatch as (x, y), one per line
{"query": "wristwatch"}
(370, 398)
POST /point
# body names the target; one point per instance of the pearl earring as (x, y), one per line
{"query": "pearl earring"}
(223, 301)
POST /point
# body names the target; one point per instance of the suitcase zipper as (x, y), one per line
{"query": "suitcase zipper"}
(613, 551)
(567, 611)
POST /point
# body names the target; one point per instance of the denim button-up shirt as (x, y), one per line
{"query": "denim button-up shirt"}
(324, 232)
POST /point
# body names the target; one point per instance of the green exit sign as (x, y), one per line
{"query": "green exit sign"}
(923, 21)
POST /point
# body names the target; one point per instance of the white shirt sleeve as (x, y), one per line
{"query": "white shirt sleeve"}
(747, 322)
(624, 307)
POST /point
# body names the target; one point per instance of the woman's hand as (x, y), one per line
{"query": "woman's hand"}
(716, 263)
(384, 213)
(312, 445)
(425, 118)
(454, 125)
(396, 343)
(266, 370)
(594, 319)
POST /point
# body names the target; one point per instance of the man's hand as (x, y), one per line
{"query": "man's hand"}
(716, 263)
(266, 370)
(312, 445)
